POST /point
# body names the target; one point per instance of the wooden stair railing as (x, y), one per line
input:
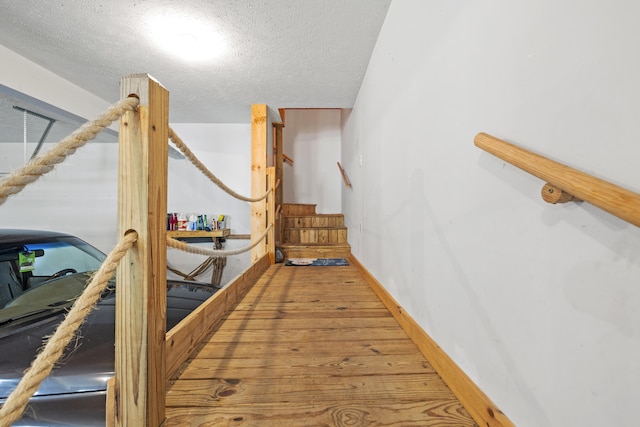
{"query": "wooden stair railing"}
(287, 159)
(564, 183)
(345, 178)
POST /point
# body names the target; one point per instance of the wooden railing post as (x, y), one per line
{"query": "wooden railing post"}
(279, 229)
(141, 278)
(259, 136)
(271, 214)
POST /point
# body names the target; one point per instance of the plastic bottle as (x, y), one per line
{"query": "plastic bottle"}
(182, 221)
(173, 221)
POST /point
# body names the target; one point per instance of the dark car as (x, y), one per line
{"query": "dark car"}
(41, 274)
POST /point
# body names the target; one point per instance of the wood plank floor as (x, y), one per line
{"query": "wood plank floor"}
(310, 346)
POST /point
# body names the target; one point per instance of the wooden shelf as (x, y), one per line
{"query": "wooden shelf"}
(199, 234)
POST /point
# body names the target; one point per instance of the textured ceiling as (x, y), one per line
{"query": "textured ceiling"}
(285, 53)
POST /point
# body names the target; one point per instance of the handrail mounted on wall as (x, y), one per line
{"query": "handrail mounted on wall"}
(564, 183)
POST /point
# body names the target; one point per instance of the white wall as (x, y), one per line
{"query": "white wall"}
(80, 195)
(225, 149)
(538, 303)
(26, 77)
(312, 140)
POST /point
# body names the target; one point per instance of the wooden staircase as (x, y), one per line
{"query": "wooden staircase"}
(307, 234)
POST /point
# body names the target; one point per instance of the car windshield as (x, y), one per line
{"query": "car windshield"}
(42, 276)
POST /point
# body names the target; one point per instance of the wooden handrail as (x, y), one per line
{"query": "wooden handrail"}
(618, 201)
(345, 178)
(287, 158)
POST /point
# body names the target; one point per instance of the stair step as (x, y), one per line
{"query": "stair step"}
(298, 209)
(316, 235)
(318, 220)
(316, 250)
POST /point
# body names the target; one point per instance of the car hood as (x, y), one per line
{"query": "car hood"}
(87, 363)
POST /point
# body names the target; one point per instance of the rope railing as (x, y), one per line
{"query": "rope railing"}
(191, 276)
(202, 168)
(53, 349)
(42, 365)
(43, 164)
(214, 253)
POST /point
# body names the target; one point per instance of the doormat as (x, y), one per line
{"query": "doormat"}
(317, 262)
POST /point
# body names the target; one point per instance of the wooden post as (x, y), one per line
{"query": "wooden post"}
(271, 214)
(259, 136)
(141, 279)
(279, 228)
(110, 413)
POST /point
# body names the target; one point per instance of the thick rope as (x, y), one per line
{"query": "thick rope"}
(202, 168)
(201, 269)
(43, 364)
(177, 244)
(43, 164)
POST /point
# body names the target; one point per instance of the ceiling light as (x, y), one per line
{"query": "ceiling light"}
(188, 38)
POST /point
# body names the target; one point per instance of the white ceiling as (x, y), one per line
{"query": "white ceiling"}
(285, 53)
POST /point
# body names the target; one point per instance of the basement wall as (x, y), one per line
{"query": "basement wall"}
(225, 149)
(80, 195)
(33, 81)
(312, 140)
(538, 303)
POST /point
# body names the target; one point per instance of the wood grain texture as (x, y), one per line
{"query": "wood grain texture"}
(438, 412)
(278, 164)
(481, 408)
(186, 335)
(271, 214)
(259, 139)
(551, 194)
(316, 250)
(310, 346)
(616, 200)
(298, 209)
(185, 234)
(110, 406)
(141, 276)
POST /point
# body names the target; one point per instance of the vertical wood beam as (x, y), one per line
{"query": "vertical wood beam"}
(271, 214)
(141, 279)
(279, 232)
(259, 137)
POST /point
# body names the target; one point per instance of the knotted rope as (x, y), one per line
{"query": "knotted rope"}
(176, 244)
(43, 364)
(43, 164)
(202, 168)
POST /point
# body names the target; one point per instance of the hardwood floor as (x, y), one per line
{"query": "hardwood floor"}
(310, 346)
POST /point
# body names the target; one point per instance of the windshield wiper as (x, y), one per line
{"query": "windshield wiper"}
(51, 309)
